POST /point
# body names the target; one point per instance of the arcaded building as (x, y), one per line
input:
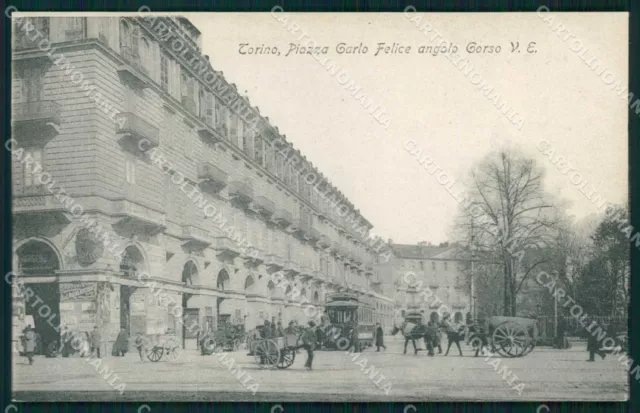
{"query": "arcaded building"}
(117, 122)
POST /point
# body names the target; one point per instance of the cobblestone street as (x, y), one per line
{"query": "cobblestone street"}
(547, 375)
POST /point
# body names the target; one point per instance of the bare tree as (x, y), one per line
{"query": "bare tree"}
(508, 215)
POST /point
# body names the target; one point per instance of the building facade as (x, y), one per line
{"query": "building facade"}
(437, 268)
(132, 156)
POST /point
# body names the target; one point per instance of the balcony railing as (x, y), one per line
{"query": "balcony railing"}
(226, 247)
(196, 235)
(265, 205)
(314, 234)
(211, 176)
(133, 70)
(139, 215)
(241, 191)
(189, 104)
(132, 127)
(37, 116)
(282, 216)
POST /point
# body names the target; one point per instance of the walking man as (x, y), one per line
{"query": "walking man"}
(437, 339)
(379, 338)
(309, 343)
(593, 347)
(29, 343)
(96, 341)
(140, 344)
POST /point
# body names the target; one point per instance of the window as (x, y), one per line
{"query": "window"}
(125, 35)
(145, 54)
(33, 84)
(75, 29)
(130, 170)
(433, 265)
(446, 265)
(259, 152)
(422, 265)
(241, 132)
(164, 72)
(247, 143)
(31, 172)
(233, 127)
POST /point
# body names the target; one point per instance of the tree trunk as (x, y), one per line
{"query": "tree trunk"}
(505, 307)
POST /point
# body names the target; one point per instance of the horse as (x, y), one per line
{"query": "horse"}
(453, 335)
(412, 332)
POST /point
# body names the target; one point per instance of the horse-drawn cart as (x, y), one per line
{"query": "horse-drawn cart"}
(279, 352)
(512, 336)
(161, 345)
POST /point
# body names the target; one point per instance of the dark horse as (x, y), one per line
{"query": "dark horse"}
(413, 332)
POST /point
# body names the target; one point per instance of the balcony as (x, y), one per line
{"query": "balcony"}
(27, 51)
(36, 202)
(206, 132)
(324, 242)
(317, 275)
(301, 228)
(196, 237)
(282, 216)
(458, 304)
(274, 262)
(226, 248)
(241, 192)
(211, 177)
(189, 104)
(291, 268)
(36, 119)
(305, 272)
(314, 234)
(253, 257)
(135, 215)
(265, 206)
(133, 72)
(136, 131)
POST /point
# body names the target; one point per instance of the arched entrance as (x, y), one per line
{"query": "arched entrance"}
(132, 264)
(37, 259)
(190, 316)
(223, 282)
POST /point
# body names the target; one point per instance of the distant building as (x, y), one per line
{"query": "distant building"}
(439, 268)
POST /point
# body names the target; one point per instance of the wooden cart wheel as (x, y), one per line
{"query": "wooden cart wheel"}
(266, 353)
(510, 339)
(155, 353)
(208, 346)
(287, 356)
(171, 347)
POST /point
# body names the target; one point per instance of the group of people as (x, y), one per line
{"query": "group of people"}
(83, 343)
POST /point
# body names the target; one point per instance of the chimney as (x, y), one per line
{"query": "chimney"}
(390, 241)
(206, 57)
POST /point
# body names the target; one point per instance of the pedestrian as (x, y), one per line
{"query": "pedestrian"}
(140, 345)
(279, 330)
(121, 346)
(437, 337)
(593, 347)
(453, 334)
(96, 341)
(309, 343)
(29, 343)
(379, 338)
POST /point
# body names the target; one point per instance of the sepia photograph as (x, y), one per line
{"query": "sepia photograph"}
(320, 207)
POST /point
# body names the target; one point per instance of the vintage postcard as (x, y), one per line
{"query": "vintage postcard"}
(320, 206)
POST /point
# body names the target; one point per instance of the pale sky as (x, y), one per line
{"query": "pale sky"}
(431, 102)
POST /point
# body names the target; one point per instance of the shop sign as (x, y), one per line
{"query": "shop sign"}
(78, 292)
